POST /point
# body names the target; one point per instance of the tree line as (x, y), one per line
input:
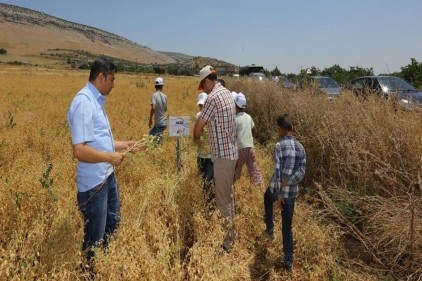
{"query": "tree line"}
(411, 72)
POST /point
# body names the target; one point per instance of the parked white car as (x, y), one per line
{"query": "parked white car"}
(258, 76)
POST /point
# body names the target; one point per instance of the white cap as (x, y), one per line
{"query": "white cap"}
(205, 71)
(202, 97)
(240, 100)
(234, 94)
(159, 81)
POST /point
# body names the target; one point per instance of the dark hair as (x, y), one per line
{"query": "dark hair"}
(212, 76)
(101, 66)
(284, 122)
(158, 87)
(222, 82)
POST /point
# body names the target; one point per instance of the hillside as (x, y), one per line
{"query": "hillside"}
(27, 32)
(28, 35)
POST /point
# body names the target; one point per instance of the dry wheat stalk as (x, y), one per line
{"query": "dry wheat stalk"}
(145, 142)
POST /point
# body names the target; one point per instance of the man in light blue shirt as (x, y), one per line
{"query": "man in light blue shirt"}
(95, 149)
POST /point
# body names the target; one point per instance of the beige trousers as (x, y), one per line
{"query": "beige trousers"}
(224, 195)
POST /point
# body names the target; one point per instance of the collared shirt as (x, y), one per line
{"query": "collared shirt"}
(159, 99)
(88, 123)
(219, 113)
(290, 164)
(244, 125)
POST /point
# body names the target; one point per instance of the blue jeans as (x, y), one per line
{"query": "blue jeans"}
(205, 167)
(286, 224)
(100, 207)
(158, 132)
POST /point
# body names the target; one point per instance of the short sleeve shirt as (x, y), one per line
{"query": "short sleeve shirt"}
(244, 125)
(159, 99)
(88, 123)
(219, 113)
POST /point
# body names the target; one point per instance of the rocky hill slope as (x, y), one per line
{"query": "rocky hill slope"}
(28, 32)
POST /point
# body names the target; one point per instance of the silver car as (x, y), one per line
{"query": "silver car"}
(387, 86)
(258, 76)
(326, 85)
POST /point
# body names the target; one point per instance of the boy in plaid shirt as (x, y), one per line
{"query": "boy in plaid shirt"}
(289, 170)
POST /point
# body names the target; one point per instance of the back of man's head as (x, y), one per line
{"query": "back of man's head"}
(159, 83)
(284, 121)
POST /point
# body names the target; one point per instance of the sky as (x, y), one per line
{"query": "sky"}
(290, 35)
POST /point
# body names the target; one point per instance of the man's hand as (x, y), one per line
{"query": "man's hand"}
(280, 203)
(116, 158)
(197, 130)
(197, 141)
(128, 144)
(150, 123)
(135, 148)
(132, 147)
(125, 146)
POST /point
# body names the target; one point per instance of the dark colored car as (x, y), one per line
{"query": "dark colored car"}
(287, 83)
(387, 86)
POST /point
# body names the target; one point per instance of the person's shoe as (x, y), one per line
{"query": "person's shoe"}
(288, 267)
(88, 270)
(224, 250)
(269, 235)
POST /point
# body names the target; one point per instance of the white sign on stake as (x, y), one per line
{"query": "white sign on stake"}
(179, 126)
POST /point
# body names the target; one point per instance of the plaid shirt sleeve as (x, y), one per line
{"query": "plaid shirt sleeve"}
(294, 162)
(208, 110)
(275, 182)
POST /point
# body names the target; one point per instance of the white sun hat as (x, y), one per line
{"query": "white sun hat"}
(159, 81)
(240, 100)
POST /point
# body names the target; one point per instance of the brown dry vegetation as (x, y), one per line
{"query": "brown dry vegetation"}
(353, 223)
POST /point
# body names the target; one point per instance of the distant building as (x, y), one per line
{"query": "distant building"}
(221, 70)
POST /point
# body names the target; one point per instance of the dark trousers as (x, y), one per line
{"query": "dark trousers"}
(286, 224)
(157, 131)
(205, 167)
(100, 207)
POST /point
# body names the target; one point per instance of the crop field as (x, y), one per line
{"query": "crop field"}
(358, 216)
